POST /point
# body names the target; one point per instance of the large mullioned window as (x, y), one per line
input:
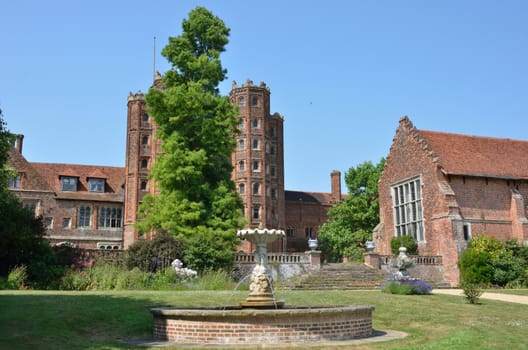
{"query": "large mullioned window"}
(110, 217)
(407, 204)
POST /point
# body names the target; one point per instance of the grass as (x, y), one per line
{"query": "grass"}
(101, 320)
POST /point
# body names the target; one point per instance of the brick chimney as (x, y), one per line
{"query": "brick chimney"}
(19, 141)
(335, 177)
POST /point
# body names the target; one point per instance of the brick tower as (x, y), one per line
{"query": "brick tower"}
(141, 151)
(258, 162)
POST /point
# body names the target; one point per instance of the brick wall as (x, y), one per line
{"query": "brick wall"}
(262, 326)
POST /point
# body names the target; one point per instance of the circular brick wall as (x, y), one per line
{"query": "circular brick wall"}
(251, 326)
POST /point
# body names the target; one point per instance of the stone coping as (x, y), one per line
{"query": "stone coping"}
(238, 311)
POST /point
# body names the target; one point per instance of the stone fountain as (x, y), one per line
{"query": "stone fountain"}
(260, 318)
(261, 287)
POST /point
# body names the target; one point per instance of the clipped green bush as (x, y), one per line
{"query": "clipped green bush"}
(406, 241)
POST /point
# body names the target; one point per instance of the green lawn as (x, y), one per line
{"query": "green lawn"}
(100, 320)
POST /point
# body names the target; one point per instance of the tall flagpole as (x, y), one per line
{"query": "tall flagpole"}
(154, 60)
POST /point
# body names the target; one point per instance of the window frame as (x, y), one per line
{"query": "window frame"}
(84, 217)
(407, 206)
(96, 185)
(14, 182)
(256, 188)
(110, 218)
(66, 186)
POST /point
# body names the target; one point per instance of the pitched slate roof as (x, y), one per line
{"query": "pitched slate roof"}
(469, 155)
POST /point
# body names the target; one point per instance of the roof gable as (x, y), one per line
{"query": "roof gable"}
(32, 179)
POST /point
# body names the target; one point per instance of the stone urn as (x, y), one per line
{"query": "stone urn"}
(313, 243)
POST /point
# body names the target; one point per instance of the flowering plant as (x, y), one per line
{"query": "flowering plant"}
(407, 286)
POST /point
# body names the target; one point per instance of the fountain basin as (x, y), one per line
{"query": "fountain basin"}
(237, 325)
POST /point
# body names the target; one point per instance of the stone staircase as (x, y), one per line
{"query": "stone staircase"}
(339, 277)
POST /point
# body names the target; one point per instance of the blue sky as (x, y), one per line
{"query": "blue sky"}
(342, 73)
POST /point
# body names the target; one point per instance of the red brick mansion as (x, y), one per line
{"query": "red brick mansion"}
(96, 206)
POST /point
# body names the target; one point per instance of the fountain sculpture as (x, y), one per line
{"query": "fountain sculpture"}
(260, 318)
(261, 287)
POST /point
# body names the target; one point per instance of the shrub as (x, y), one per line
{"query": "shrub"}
(203, 252)
(153, 255)
(471, 291)
(406, 241)
(475, 267)
(491, 261)
(17, 277)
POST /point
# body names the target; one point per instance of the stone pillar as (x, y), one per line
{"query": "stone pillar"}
(315, 259)
(372, 260)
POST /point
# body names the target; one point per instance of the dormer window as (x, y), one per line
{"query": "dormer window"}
(96, 185)
(14, 182)
(68, 183)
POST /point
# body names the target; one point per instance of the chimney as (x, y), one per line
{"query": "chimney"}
(335, 176)
(19, 141)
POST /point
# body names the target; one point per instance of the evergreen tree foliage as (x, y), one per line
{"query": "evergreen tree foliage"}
(6, 142)
(196, 128)
(22, 241)
(350, 223)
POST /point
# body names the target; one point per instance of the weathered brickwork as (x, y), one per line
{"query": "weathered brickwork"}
(282, 327)
(258, 172)
(460, 196)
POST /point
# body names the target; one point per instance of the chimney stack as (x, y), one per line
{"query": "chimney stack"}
(19, 142)
(336, 185)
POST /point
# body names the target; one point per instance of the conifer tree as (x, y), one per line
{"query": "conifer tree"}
(197, 200)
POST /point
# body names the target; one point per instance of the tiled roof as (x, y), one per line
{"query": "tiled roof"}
(479, 156)
(34, 181)
(114, 178)
(308, 197)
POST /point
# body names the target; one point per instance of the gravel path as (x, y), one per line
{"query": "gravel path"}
(520, 299)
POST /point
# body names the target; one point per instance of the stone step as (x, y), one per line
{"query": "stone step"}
(339, 276)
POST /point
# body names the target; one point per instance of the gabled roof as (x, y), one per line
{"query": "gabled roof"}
(469, 155)
(33, 180)
(114, 180)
